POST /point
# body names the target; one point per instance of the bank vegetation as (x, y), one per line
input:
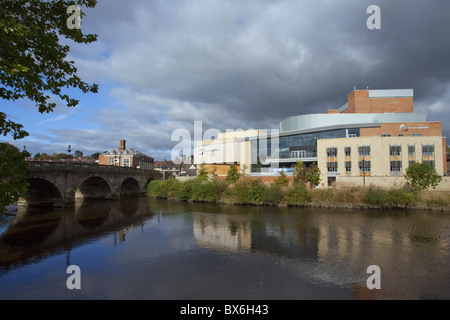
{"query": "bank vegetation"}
(251, 191)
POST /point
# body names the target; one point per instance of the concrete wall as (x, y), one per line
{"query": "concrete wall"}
(385, 182)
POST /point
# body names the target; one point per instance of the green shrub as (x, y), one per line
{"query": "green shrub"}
(394, 197)
(256, 192)
(187, 189)
(400, 197)
(375, 196)
(209, 190)
(241, 191)
(153, 188)
(164, 188)
(297, 194)
(273, 194)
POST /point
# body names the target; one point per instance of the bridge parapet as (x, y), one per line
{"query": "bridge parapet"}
(80, 166)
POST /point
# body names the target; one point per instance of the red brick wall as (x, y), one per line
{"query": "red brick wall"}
(359, 102)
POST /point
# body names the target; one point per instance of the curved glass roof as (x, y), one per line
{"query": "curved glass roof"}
(316, 121)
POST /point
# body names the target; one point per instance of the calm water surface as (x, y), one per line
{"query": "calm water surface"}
(155, 249)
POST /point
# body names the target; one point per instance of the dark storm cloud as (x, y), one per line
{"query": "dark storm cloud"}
(249, 64)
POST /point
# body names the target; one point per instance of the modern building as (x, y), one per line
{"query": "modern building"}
(124, 157)
(375, 134)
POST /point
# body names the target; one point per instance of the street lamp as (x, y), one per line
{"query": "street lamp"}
(68, 150)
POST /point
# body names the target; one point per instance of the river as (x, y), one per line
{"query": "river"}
(144, 248)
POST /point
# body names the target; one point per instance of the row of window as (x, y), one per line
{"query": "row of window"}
(364, 166)
(400, 135)
(427, 150)
(125, 162)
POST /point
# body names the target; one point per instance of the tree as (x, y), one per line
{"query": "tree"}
(303, 175)
(13, 170)
(300, 173)
(421, 176)
(78, 154)
(37, 156)
(95, 156)
(33, 62)
(202, 173)
(232, 175)
(282, 180)
(314, 174)
(33, 66)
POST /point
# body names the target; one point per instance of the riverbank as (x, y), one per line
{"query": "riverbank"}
(254, 192)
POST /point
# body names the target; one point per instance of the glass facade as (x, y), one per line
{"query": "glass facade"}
(296, 146)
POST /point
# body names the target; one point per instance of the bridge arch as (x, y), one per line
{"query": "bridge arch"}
(94, 188)
(42, 193)
(129, 187)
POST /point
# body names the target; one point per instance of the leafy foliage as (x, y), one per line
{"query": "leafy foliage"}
(202, 173)
(297, 194)
(303, 175)
(13, 170)
(378, 196)
(33, 62)
(282, 180)
(232, 175)
(422, 176)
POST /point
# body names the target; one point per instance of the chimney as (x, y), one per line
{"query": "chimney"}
(122, 145)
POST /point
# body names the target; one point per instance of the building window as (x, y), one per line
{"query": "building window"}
(126, 162)
(415, 134)
(112, 161)
(331, 152)
(348, 151)
(411, 151)
(298, 154)
(364, 151)
(427, 150)
(332, 166)
(400, 134)
(395, 150)
(348, 166)
(385, 134)
(364, 166)
(396, 166)
(352, 135)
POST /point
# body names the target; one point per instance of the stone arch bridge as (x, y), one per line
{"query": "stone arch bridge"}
(59, 184)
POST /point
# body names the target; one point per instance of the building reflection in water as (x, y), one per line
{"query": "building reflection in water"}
(220, 231)
(337, 248)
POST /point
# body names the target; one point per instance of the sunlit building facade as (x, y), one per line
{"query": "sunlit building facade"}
(376, 133)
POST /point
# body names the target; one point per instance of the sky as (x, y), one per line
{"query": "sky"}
(236, 64)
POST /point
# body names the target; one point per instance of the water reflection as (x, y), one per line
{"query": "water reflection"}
(35, 234)
(246, 251)
(219, 231)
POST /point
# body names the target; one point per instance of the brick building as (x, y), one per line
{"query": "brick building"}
(124, 157)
